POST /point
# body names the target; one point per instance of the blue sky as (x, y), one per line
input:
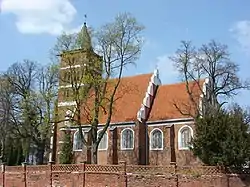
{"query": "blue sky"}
(28, 29)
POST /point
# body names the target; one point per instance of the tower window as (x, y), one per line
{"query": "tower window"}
(66, 93)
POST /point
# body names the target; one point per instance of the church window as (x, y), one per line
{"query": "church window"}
(127, 139)
(156, 139)
(103, 145)
(77, 142)
(184, 137)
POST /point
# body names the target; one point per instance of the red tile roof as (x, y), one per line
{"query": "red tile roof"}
(172, 98)
(130, 95)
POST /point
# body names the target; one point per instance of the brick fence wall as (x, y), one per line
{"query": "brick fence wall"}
(122, 175)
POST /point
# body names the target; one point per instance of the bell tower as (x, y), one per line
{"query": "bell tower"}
(74, 64)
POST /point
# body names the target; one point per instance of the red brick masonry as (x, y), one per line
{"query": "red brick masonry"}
(122, 175)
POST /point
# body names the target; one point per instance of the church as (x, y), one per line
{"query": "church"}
(146, 126)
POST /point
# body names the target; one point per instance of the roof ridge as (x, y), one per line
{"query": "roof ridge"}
(132, 76)
(138, 75)
(178, 83)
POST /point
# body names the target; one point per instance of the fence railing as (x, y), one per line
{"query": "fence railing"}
(138, 169)
(52, 172)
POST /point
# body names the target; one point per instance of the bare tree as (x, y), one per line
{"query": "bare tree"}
(46, 97)
(65, 42)
(6, 98)
(35, 91)
(119, 43)
(211, 61)
(21, 77)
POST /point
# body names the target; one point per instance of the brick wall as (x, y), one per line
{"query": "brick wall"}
(183, 157)
(120, 175)
(169, 153)
(114, 153)
(161, 157)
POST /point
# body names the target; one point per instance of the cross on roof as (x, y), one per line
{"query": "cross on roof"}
(85, 17)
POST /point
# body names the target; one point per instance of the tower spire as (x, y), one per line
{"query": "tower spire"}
(85, 37)
(85, 19)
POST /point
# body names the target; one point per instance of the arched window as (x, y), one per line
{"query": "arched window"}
(127, 139)
(77, 142)
(103, 145)
(184, 137)
(156, 139)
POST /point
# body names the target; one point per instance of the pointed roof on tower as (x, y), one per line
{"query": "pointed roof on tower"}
(86, 43)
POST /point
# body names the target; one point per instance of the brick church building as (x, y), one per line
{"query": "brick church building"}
(146, 126)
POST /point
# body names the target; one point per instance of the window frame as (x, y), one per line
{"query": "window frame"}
(77, 150)
(180, 147)
(106, 133)
(133, 139)
(150, 139)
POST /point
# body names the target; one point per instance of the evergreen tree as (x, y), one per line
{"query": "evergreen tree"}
(66, 155)
(223, 138)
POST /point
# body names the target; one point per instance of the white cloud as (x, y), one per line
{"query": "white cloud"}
(168, 73)
(241, 32)
(41, 16)
(74, 30)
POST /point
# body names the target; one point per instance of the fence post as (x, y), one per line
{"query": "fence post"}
(3, 174)
(51, 173)
(83, 173)
(123, 174)
(24, 164)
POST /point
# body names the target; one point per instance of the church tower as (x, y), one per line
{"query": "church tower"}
(74, 65)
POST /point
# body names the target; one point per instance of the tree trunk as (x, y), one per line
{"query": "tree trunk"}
(94, 154)
(26, 149)
(40, 154)
(2, 151)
